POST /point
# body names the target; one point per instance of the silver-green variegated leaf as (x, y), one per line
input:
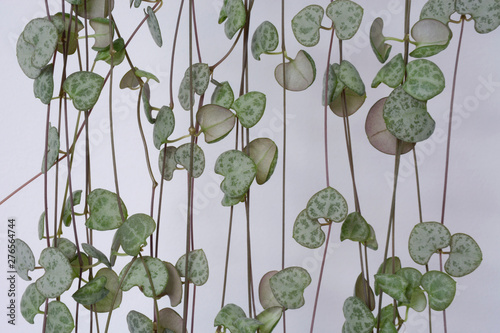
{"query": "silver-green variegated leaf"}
(223, 95)
(264, 153)
(102, 33)
(30, 303)
(412, 275)
(288, 286)
(349, 75)
(377, 40)
(424, 79)
(431, 37)
(104, 210)
(183, 157)
(250, 108)
(406, 117)
(114, 58)
(163, 127)
(358, 318)
(91, 293)
(53, 148)
(197, 269)
(58, 273)
(239, 171)
(24, 53)
(355, 228)
(306, 25)
(95, 253)
(201, 78)
(441, 289)
(228, 315)
(170, 164)
(465, 255)
(266, 296)
(233, 12)
(299, 72)
(392, 73)
(265, 39)
(391, 267)
(269, 318)
(425, 239)
(138, 276)
(440, 10)
(247, 325)
(84, 89)
(95, 8)
(485, 13)
(414, 293)
(216, 122)
(393, 285)
(139, 323)
(371, 241)
(307, 231)
(346, 16)
(43, 86)
(154, 27)
(113, 298)
(228, 201)
(67, 247)
(134, 233)
(332, 84)
(328, 204)
(67, 216)
(59, 318)
(24, 259)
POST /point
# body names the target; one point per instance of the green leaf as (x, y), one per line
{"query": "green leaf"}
(228, 315)
(134, 232)
(299, 72)
(59, 318)
(68, 32)
(332, 84)
(154, 27)
(388, 270)
(67, 247)
(24, 259)
(250, 108)
(307, 231)
(269, 318)
(114, 297)
(104, 210)
(163, 126)
(41, 226)
(197, 267)
(223, 95)
(183, 157)
(393, 285)
(441, 289)
(201, 78)
(328, 204)
(440, 10)
(30, 303)
(247, 325)
(265, 39)
(377, 40)
(392, 73)
(95, 8)
(346, 16)
(431, 37)
(137, 276)
(425, 239)
(288, 286)
(43, 86)
(84, 89)
(58, 273)
(92, 292)
(418, 301)
(486, 13)
(306, 25)
(266, 296)
(425, 80)
(139, 323)
(170, 163)
(143, 74)
(118, 53)
(66, 216)
(364, 291)
(350, 77)
(103, 34)
(228, 201)
(388, 327)
(215, 122)
(75, 264)
(355, 228)
(359, 318)
(412, 275)
(95, 253)
(239, 171)
(53, 148)
(465, 255)
(371, 241)
(235, 12)
(389, 314)
(264, 153)
(406, 117)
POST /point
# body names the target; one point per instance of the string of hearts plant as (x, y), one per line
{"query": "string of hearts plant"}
(52, 46)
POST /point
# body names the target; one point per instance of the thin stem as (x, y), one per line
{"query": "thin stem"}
(227, 256)
(172, 58)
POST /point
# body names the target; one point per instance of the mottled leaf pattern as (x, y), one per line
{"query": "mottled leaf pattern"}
(201, 78)
(264, 39)
(183, 157)
(58, 273)
(104, 210)
(299, 72)
(377, 40)
(486, 13)
(424, 81)
(332, 84)
(391, 73)
(307, 231)
(215, 122)
(154, 27)
(197, 267)
(239, 171)
(465, 255)
(66, 216)
(440, 10)
(228, 315)
(349, 75)
(250, 108)
(355, 228)
(328, 204)
(358, 318)
(306, 25)
(288, 286)
(425, 239)
(163, 127)
(393, 285)
(431, 37)
(30, 303)
(59, 318)
(84, 89)
(67, 247)
(43, 86)
(170, 163)
(95, 253)
(234, 13)
(441, 289)
(137, 276)
(223, 95)
(134, 233)
(53, 148)
(114, 297)
(24, 259)
(139, 323)
(91, 293)
(346, 16)
(391, 267)
(247, 325)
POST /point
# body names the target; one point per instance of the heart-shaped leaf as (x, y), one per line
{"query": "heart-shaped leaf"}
(266, 296)
(95, 253)
(371, 241)
(67, 247)
(91, 293)
(418, 301)
(486, 13)
(138, 276)
(144, 74)
(58, 273)
(104, 210)
(250, 108)
(425, 239)
(170, 320)
(358, 318)
(264, 153)
(355, 228)
(43, 86)
(239, 171)
(134, 232)
(441, 289)
(114, 297)
(392, 73)
(30, 303)
(84, 88)
(174, 285)
(307, 231)
(465, 255)
(353, 102)
(182, 156)
(201, 78)
(139, 323)
(424, 80)
(387, 315)
(349, 75)
(377, 40)
(265, 39)
(332, 84)
(228, 315)
(306, 25)
(66, 216)
(431, 37)
(440, 10)
(299, 72)
(154, 27)
(103, 34)
(364, 291)
(223, 95)
(235, 15)
(75, 264)
(247, 325)
(170, 163)
(53, 148)
(69, 27)
(95, 8)
(130, 80)
(269, 318)
(328, 204)
(406, 117)
(215, 122)
(197, 267)
(346, 16)
(288, 286)
(412, 275)
(118, 53)
(393, 285)
(164, 126)
(59, 318)
(391, 267)
(24, 259)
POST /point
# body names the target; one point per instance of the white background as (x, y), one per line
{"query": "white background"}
(473, 200)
